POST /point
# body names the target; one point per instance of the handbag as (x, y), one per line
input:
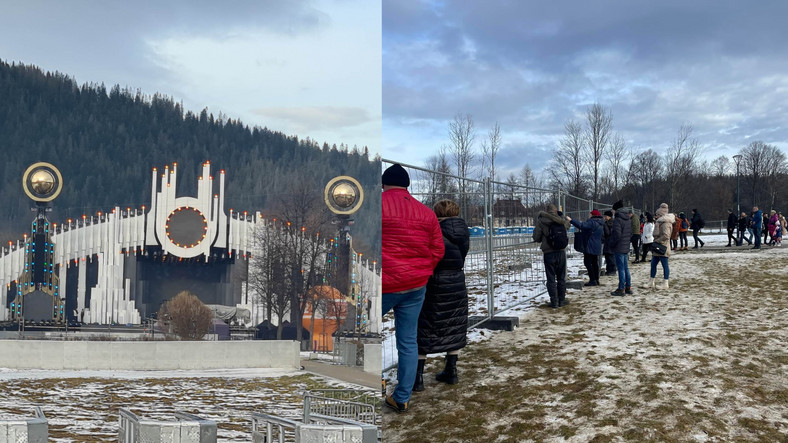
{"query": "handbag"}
(658, 248)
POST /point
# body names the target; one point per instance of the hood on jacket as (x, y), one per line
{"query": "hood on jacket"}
(454, 228)
(549, 217)
(622, 215)
(667, 218)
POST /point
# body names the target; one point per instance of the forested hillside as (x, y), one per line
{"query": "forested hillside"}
(105, 143)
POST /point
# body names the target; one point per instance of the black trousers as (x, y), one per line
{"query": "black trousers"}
(731, 237)
(610, 262)
(695, 237)
(555, 268)
(646, 247)
(635, 245)
(683, 239)
(591, 263)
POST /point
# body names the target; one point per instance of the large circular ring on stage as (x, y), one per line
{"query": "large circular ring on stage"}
(186, 227)
(343, 195)
(42, 182)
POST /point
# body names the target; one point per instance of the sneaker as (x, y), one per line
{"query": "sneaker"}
(564, 303)
(618, 292)
(592, 283)
(609, 273)
(628, 291)
(399, 408)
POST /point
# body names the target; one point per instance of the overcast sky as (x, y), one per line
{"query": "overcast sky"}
(306, 68)
(533, 65)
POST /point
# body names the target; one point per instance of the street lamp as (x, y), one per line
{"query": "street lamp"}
(737, 159)
(343, 196)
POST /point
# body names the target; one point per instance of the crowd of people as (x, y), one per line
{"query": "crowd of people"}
(424, 253)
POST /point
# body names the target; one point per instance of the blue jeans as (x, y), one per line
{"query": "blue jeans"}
(665, 267)
(407, 307)
(622, 265)
(757, 231)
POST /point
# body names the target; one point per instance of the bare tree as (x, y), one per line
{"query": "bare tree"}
(511, 186)
(680, 162)
(599, 123)
(617, 157)
(720, 166)
(490, 148)
(645, 170)
(528, 179)
(188, 316)
(268, 273)
(462, 134)
(764, 163)
(440, 184)
(567, 167)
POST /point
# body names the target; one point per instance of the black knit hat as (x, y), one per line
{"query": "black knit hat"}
(618, 205)
(396, 175)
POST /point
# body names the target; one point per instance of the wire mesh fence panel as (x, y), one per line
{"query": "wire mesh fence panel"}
(516, 260)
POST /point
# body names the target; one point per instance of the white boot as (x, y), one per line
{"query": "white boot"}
(650, 284)
(665, 284)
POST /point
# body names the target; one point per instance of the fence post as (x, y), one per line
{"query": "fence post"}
(488, 215)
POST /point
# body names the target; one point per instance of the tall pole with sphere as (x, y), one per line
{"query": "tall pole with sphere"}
(38, 294)
(344, 196)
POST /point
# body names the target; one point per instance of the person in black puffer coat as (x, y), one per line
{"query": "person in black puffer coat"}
(443, 323)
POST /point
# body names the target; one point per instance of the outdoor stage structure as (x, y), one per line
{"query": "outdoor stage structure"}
(119, 267)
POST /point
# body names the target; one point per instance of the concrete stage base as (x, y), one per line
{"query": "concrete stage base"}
(148, 355)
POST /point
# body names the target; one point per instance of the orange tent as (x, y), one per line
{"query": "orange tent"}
(330, 314)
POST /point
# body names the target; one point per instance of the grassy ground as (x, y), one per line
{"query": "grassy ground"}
(706, 360)
(86, 409)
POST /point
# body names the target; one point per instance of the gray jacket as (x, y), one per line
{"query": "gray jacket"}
(542, 228)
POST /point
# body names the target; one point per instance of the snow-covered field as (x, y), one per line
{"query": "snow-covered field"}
(82, 406)
(702, 361)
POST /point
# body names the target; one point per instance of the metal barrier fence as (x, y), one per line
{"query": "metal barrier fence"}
(267, 428)
(187, 428)
(504, 267)
(347, 404)
(33, 430)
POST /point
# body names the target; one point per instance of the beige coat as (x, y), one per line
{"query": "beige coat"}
(662, 231)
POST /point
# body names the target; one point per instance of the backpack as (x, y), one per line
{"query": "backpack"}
(701, 223)
(557, 238)
(684, 224)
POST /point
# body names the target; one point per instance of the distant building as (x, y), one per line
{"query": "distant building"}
(510, 212)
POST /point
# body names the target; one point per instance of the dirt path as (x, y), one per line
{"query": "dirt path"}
(706, 360)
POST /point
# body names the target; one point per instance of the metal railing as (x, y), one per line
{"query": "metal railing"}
(186, 428)
(31, 430)
(504, 268)
(267, 428)
(346, 404)
(369, 433)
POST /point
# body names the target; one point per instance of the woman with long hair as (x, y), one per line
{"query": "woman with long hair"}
(443, 322)
(647, 236)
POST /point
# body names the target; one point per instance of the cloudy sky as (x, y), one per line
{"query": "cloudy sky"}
(308, 68)
(533, 65)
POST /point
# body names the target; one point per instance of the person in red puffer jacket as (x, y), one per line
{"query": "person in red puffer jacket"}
(412, 246)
